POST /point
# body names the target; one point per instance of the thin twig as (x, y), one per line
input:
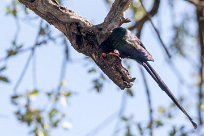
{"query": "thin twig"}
(152, 12)
(18, 26)
(149, 102)
(151, 119)
(24, 50)
(23, 72)
(171, 64)
(176, 72)
(102, 125)
(34, 71)
(120, 112)
(64, 65)
(157, 32)
(36, 45)
(62, 74)
(28, 60)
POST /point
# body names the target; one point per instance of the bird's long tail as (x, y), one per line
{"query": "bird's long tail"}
(164, 87)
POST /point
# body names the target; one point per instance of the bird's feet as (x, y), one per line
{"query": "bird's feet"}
(114, 53)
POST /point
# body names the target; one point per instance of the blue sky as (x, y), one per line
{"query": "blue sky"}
(88, 109)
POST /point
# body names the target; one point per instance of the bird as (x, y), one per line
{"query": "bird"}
(124, 44)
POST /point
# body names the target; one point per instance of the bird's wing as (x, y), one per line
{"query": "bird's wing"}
(141, 51)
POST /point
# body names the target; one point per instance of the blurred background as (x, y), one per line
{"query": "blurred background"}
(49, 89)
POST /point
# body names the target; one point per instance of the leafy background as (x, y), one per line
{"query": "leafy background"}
(47, 88)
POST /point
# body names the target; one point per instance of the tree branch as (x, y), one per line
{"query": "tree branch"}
(139, 24)
(200, 21)
(86, 37)
(197, 3)
(116, 17)
(149, 101)
(149, 17)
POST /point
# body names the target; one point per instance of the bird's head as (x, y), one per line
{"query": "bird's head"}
(118, 33)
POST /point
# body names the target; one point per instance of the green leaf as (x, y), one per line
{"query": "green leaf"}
(55, 124)
(4, 79)
(158, 123)
(8, 10)
(53, 112)
(169, 116)
(49, 94)
(130, 92)
(124, 119)
(35, 92)
(128, 131)
(45, 133)
(67, 94)
(173, 132)
(14, 99)
(39, 118)
(11, 52)
(29, 118)
(11, 11)
(15, 96)
(14, 12)
(161, 109)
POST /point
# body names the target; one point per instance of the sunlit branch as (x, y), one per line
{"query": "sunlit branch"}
(86, 37)
(200, 21)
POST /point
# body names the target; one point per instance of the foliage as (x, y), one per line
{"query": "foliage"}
(41, 120)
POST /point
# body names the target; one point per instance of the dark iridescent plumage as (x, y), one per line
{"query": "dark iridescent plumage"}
(129, 46)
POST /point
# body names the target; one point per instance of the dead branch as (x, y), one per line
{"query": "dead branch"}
(86, 37)
(200, 22)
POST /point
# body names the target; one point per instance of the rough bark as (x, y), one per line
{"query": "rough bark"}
(200, 21)
(86, 37)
